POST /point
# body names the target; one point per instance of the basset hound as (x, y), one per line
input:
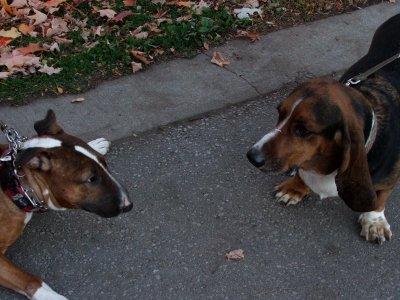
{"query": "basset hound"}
(342, 140)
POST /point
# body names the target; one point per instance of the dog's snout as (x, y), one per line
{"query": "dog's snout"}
(127, 206)
(256, 157)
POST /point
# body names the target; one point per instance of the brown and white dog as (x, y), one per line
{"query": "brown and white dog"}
(64, 172)
(344, 141)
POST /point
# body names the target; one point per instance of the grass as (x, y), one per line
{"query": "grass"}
(83, 68)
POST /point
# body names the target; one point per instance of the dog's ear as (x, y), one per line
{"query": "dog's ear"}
(48, 126)
(353, 179)
(34, 158)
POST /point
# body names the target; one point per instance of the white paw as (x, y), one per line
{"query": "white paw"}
(46, 293)
(287, 198)
(374, 226)
(101, 145)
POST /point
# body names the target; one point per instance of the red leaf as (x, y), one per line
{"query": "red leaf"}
(31, 48)
(122, 15)
(4, 41)
(129, 2)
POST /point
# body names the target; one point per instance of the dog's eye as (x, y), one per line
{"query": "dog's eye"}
(300, 131)
(92, 179)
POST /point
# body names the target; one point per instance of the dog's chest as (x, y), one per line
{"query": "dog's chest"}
(322, 185)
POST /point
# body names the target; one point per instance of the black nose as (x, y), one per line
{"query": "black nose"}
(127, 208)
(256, 157)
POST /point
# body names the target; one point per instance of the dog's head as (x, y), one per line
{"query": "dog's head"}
(66, 172)
(321, 129)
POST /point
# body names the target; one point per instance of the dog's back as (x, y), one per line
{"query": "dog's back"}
(385, 44)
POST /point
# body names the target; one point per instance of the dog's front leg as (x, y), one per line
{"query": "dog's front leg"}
(25, 283)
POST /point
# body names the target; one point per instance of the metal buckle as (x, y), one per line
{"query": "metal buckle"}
(353, 81)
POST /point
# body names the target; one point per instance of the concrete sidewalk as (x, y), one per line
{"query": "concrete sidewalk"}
(183, 88)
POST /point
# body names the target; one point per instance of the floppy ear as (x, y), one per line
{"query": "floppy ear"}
(34, 158)
(48, 126)
(353, 180)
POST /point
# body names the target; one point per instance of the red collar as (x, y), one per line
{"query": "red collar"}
(11, 186)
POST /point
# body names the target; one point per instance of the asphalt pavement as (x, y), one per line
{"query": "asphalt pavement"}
(195, 198)
(195, 195)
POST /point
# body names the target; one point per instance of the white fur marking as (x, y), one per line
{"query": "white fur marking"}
(270, 135)
(50, 203)
(93, 157)
(46, 293)
(322, 185)
(374, 226)
(28, 217)
(100, 145)
(41, 143)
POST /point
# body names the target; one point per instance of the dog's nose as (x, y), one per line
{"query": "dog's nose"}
(127, 206)
(256, 157)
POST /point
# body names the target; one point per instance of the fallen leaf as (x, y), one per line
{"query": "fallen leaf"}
(26, 29)
(109, 13)
(31, 48)
(39, 17)
(219, 60)
(251, 4)
(235, 254)
(49, 70)
(19, 3)
(80, 99)
(122, 15)
(187, 4)
(139, 55)
(4, 41)
(53, 3)
(253, 36)
(11, 33)
(16, 60)
(4, 75)
(206, 46)
(136, 66)
(129, 2)
(60, 90)
(7, 8)
(198, 7)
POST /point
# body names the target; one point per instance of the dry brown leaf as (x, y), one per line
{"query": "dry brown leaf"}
(253, 36)
(4, 75)
(187, 4)
(60, 90)
(136, 66)
(39, 17)
(206, 46)
(6, 7)
(129, 2)
(140, 56)
(53, 3)
(219, 60)
(108, 13)
(121, 16)
(237, 254)
(31, 48)
(26, 29)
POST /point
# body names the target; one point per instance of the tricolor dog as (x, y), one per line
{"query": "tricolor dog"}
(63, 172)
(343, 136)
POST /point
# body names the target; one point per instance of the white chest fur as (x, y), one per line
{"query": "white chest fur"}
(322, 185)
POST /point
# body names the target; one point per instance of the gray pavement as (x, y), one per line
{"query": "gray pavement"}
(196, 196)
(184, 88)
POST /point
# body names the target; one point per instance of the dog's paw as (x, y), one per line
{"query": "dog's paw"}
(292, 191)
(374, 227)
(101, 145)
(46, 293)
